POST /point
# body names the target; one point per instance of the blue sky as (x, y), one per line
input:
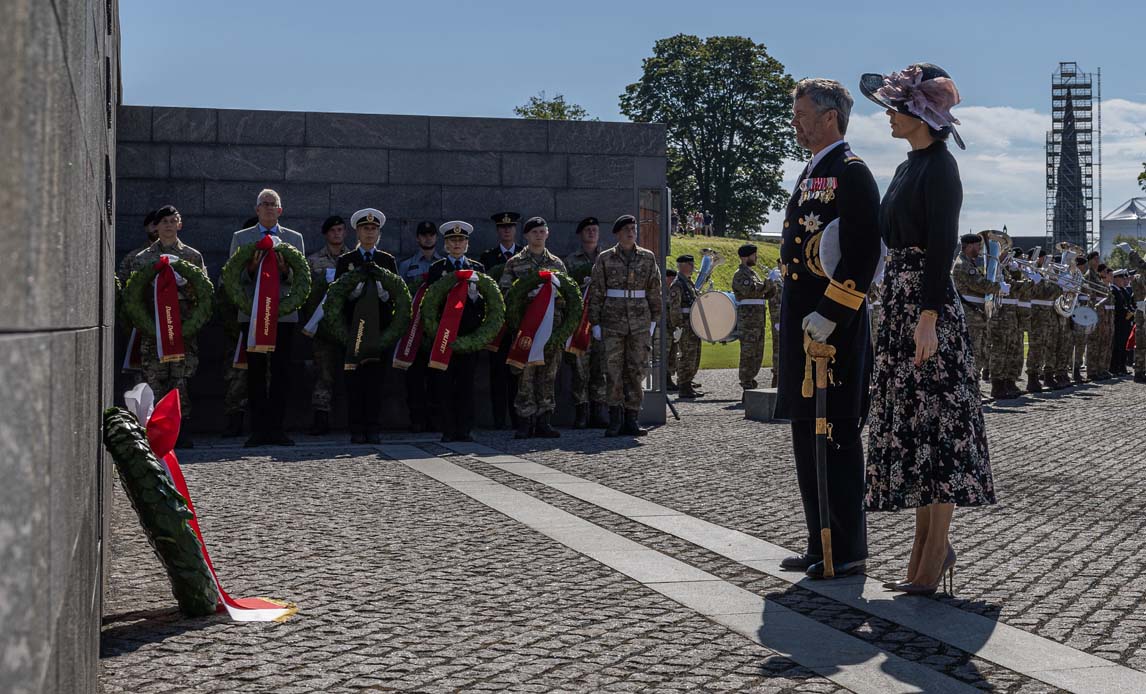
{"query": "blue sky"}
(482, 59)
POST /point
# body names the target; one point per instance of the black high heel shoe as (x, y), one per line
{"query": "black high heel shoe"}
(946, 577)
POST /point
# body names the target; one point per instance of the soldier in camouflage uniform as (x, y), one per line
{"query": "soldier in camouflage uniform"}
(623, 315)
(1078, 334)
(1098, 340)
(588, 368)
(1064, 346)
(166, 376)
(751, 294)
(1041, 336)
(776, 278)
(682, 294)
(672, 361)
(1006, 354)
(328, 354)
(972, 285)
(535, 400)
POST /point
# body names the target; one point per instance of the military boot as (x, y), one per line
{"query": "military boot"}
(670, 386)
(1078, 379)
(524, 427)
(1012, 389)
(631, 427)
(687, 392)
(542, 429)
(1140, 376)
(598, 415)
(616, 420)
(999, 389)
(1063, 381)
(581, 417)
(1033, 385)
(234, 425)
(321, 424)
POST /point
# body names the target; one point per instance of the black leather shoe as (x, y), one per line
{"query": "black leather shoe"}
(254, 440)
(798, 562)
(849, 568)
(357, 438)
(448, 438)
(280, 439)
(373, 437)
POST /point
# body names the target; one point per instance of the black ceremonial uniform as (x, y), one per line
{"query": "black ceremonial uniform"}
(364, 384)
(502, 382)
(455, 385)
(839, 187)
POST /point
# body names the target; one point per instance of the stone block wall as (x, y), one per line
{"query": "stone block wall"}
(211, 163)
(59, 83)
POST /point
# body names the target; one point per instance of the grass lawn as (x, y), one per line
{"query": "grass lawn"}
(725, 356)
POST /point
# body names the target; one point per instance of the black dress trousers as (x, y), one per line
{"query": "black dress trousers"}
(455, 392)
(364, 397)
(267, 402)
(845, 487)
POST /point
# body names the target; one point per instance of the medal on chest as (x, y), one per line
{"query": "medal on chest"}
(819, 189)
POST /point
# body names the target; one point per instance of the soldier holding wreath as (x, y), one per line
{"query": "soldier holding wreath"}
(170, 298)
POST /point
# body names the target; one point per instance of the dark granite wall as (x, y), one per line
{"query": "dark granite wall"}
(59, 84)
(211, 164)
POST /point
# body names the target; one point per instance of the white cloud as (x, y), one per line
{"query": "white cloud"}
(1004, 166)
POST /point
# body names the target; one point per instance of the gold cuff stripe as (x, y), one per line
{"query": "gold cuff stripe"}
(844, 296)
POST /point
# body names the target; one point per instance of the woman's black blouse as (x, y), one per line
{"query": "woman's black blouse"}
(921, 209)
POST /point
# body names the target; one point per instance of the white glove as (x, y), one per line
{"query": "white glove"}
(357, 292)
(676, 334)
(1124, 247)
(1035, 277)
(533, 292)
(383, 295)
(1013, 265)
(596, 332)
(652, 328)
(774, 275)
(472, 290)
(1004, 289)
(818, 327)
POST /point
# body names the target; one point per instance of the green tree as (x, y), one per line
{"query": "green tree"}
(540, 108)
(726, 104)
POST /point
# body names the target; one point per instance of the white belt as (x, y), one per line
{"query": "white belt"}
(751, 302)
(1041, 302)
(973, 299)
(686, 310)
(1108, 307)
(875, 303)
(1024, 304)
(1083, 298)
(1009, 302)
(625, 293)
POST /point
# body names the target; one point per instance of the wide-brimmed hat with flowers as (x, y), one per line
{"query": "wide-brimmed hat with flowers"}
(922, 90)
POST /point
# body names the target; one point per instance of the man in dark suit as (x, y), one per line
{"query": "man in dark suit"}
(502, 382)
(830, 251)
(267, 402)
(455, 385)
(364, 379)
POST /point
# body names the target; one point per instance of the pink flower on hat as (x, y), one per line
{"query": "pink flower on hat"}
(929, 100)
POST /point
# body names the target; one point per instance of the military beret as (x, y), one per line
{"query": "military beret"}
(1092, 254)
(426, 228)
(622, 221)
(971, 238)
(670, 272)
(746, 250)
(150, 218)
(505, 218)
(1080, 261)
(165, 211)
(532, 223)
(588, 221)
(331, 222)
(684, 259)
(456, 229)
(1043, 253)
(367, 215)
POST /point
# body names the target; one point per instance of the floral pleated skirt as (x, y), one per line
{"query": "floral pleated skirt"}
(926, 441)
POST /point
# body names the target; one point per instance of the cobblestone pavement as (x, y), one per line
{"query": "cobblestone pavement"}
(405, 584)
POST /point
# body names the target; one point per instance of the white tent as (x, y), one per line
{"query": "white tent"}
(1128, 219)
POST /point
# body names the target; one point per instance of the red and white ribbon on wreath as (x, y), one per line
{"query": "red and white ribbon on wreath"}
(407, 348)
(443, 347)
(168, 320)
(528, 348)
(132, 359)
(162, 423)
(239, 357)
(263, 329)
(581, 339)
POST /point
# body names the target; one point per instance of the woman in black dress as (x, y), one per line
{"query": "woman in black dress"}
(927, 446)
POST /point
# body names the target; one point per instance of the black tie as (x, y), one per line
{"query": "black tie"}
(507, 255)
(369, 257)
(457, 265)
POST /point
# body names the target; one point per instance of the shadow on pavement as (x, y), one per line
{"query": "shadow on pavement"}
(143, 627)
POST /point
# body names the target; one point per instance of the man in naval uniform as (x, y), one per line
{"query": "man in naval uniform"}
(830, 251)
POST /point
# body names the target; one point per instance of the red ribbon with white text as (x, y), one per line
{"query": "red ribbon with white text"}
(407, 348)
(263, 328)
(168, 321)
(528, 348)
(443, 347)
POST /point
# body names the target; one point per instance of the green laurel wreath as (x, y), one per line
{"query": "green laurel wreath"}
(516, 300)
(338, 294)
(137, 305)
(580, 272)
(299, 282)
(435, 299)
(162, 511)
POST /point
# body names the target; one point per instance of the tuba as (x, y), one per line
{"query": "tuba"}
(1072, 281)
(709, 259)
(997, 245)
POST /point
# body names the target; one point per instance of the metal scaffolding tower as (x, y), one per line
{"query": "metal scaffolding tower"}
(1074, 157)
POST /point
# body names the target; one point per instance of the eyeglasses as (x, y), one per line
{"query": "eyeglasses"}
(268, 203)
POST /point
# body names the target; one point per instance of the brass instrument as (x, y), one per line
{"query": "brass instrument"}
(997, 245)
(1073, 282)
(709, 259)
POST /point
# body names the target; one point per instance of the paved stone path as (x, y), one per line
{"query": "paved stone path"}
(408, 583)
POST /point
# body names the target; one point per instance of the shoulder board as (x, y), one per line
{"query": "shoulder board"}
(850, 156)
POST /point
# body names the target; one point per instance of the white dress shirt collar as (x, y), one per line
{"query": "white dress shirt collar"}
(821, 154)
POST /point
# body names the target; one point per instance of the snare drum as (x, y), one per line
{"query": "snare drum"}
(1085, 317)
(713, 317)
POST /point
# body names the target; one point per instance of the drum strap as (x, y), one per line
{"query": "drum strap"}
(752, 302)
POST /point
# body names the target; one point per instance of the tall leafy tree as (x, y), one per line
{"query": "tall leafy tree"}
(727, 104)
(541, 108)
